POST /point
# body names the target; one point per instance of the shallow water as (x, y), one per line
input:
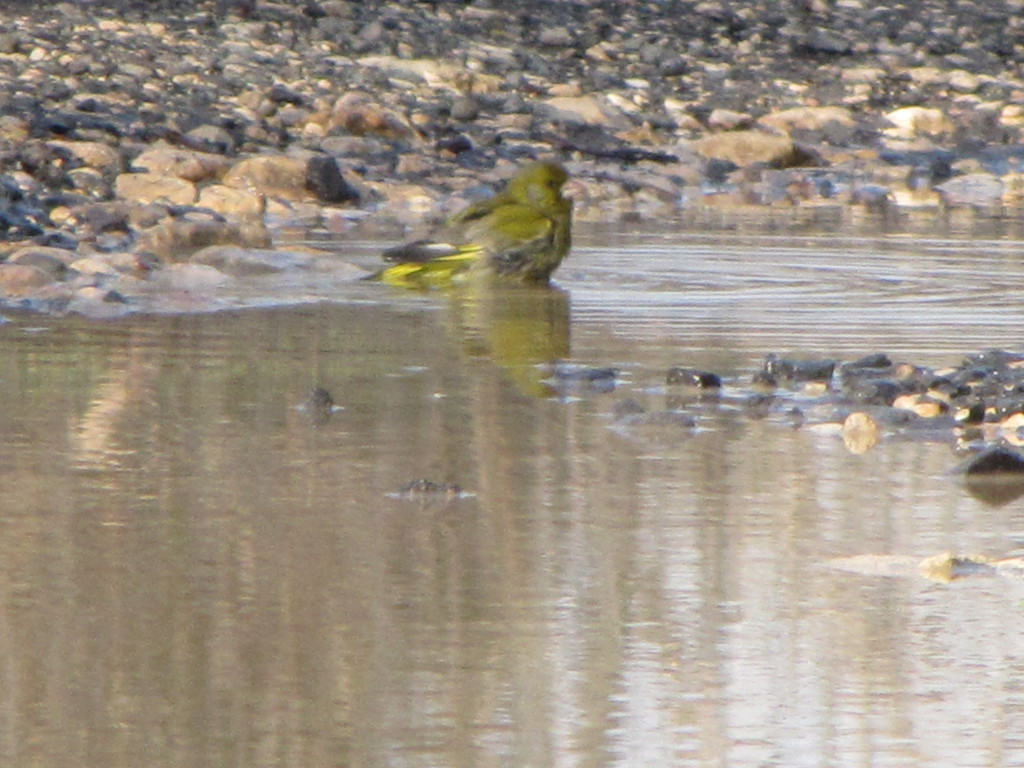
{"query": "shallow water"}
(195, 572)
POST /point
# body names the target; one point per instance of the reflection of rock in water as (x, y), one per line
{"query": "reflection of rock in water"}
(93, 435)
(423, 489)
(522, 329)
(995, 476)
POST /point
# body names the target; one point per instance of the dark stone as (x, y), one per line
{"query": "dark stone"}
(799, 370)
(717, 170)
(693, 378)
(572, 379)
(873, 391)
(456, 144)
(325, 180)
(280, 94)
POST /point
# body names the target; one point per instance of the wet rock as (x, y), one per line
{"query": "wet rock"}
(575, 380)
(877, 364)
(975, 189)
(947, 567)
(96, 302)
(872, 391)
(788, 370)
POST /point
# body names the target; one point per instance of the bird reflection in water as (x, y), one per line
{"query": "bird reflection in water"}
(523, 329)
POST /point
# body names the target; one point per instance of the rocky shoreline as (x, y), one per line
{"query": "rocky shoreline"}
(177, 138)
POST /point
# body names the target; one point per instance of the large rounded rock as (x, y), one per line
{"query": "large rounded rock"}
(744, 148)
(20, 279)
(241, 262)
(154, 187)
(178, 239)
(232, 202)
(93, 154)
(181, 163)
(282, 176)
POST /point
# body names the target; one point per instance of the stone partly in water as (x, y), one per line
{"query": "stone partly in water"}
(178, 239)
(243, 262)
(947, 567)
(692, 377)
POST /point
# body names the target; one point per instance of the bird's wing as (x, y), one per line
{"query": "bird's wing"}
(513, 237)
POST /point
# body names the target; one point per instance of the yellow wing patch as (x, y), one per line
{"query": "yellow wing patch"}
(441, 272)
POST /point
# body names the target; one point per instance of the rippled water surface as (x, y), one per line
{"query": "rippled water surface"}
(195, 572)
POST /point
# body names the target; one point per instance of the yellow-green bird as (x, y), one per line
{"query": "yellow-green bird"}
(522, 234)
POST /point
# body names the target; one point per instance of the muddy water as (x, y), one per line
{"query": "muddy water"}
(195, 572)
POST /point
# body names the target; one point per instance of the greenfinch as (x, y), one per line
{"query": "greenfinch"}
(522, 233)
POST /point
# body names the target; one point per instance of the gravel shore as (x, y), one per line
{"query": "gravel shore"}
(141, 136)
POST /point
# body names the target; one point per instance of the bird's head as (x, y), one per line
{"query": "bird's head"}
(538, 184)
